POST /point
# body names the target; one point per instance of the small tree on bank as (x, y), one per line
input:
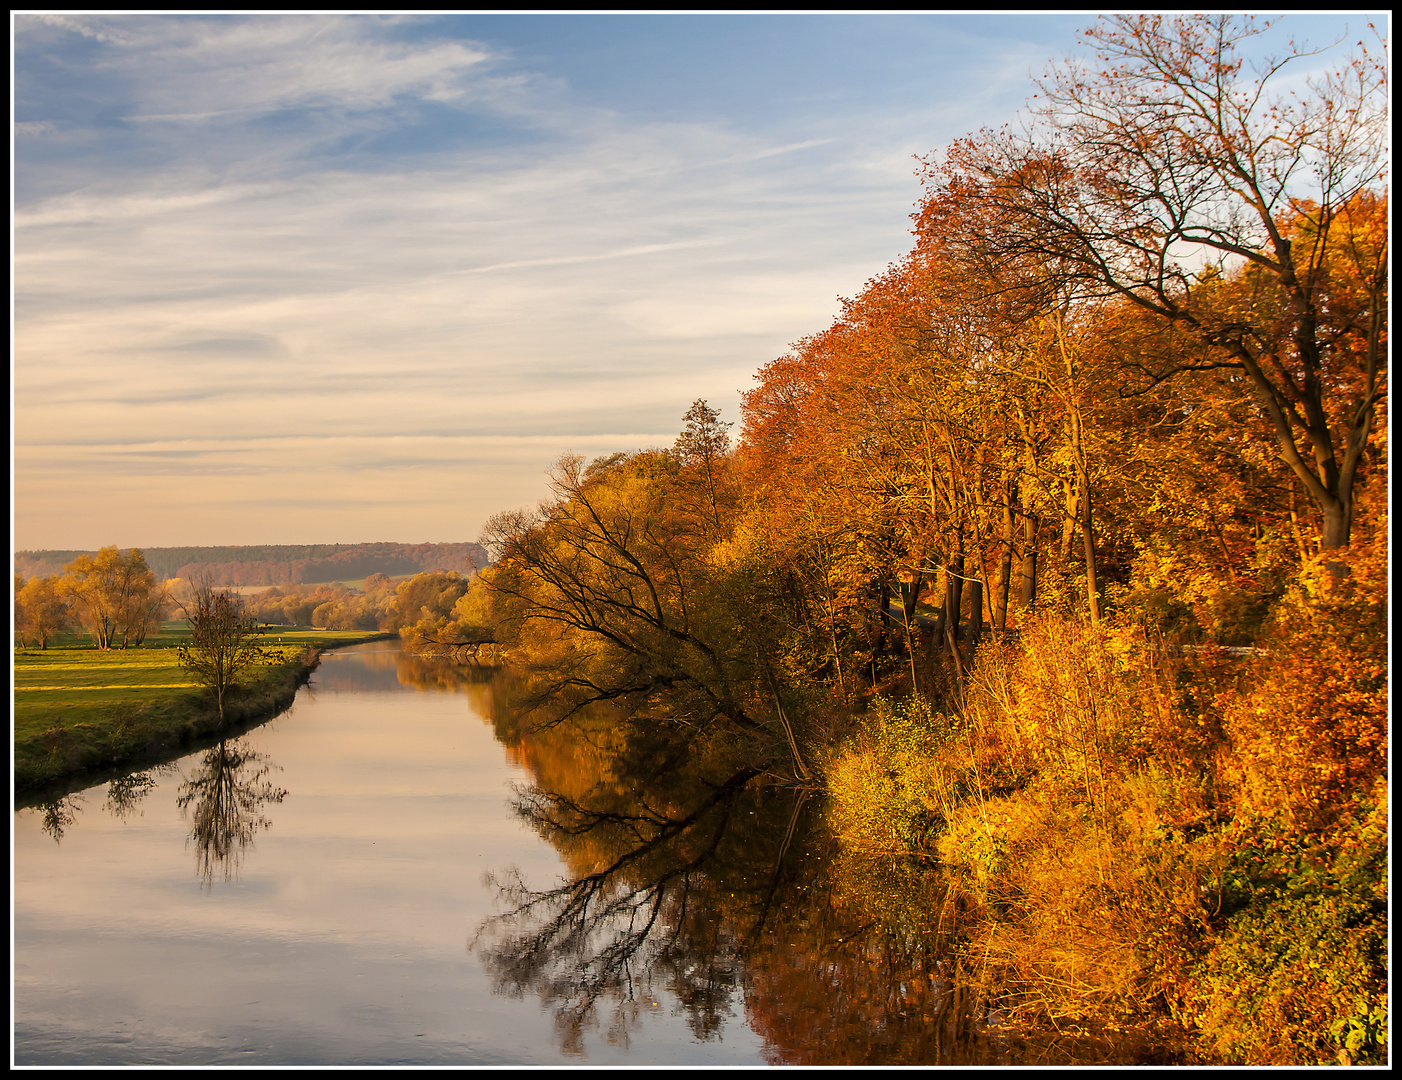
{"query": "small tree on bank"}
(223, 641)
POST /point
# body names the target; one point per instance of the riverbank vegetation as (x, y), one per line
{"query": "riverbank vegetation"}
(1059, 561)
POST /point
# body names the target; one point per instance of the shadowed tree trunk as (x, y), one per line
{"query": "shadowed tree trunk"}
(909, 594)
(1005, 563)
(1088, 537)
(1027, 575)
(975, 613)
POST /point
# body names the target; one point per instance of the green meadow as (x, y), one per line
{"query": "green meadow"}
(77, 708)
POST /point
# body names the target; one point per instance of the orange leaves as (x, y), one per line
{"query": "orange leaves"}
(1311, 732)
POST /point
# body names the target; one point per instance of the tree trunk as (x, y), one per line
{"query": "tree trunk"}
(943, 615)
(1092, 592)
(909, 595)
(1337, 525)
(1005, 565)
(936, 635)
(1027, 576)
(1295, 526)
(975, 614)
(956, 588)
(1070, 518)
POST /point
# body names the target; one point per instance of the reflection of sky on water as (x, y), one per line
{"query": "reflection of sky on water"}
(343, 937)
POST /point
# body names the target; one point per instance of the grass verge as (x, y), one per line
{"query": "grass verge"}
(78, 709)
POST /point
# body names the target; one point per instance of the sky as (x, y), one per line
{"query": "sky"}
(348, 278)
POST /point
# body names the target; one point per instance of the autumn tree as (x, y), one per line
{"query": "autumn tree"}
(423, 605)
(40, 612)
(116, 596)
(702, 445)
(1169, 168)
(224, 641)
(606, 587)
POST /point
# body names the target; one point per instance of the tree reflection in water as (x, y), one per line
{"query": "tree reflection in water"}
(224, 801)
(726, 893)
(729, 893)
(437, 673)
(124, 797)
(58, 815)
(610, 933)
(126, 794)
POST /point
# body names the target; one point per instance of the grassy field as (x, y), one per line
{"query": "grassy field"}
(77, 708)
(357, 584)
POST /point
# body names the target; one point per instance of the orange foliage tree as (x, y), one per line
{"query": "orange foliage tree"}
(1166, 170)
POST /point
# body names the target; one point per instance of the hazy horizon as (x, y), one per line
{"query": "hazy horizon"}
(331, 279)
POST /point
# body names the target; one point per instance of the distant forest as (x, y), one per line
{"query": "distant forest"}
(281, 564)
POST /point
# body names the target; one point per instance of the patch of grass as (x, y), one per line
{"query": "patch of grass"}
(358, 584)
(77, 708)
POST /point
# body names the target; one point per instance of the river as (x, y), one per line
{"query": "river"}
(390, 873)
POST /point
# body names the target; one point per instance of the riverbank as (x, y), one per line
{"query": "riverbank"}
(79, 711)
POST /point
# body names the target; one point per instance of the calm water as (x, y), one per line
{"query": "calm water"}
(338, 932)
(394, 872)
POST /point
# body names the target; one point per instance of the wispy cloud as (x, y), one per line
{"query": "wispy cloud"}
(252, 295)
(386, 261)
(603, 256)
(193, 67)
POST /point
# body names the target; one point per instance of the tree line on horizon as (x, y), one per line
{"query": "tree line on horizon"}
(117, 599)
(281, 564)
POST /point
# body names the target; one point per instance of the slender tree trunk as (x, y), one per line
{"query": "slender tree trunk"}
(1070, 518)
(837, 656)
(943, 615)
(936, 635)
(1027, 576)
(975, 614)
(1005, 564)
(909, 596)
(956, 587)
(1222, 543)
(958, 662)
(1088, 536)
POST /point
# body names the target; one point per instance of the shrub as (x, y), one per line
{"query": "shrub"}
(1298, 971)
(894, 784)
(1310, 732)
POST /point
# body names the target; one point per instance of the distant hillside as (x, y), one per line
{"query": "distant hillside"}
(281, 564)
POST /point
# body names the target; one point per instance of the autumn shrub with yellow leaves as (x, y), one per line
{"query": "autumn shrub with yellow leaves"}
(1134, 828)
(1310, 731)
(895, 782)
(1296, 968)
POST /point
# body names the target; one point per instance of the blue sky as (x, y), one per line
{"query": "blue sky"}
(294, 279)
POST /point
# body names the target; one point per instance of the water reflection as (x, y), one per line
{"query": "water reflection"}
(728, 894)
(436, 673)
(126, 794)
(644, 914)
(224, 803)
(124, 797)
(56, 816)
(385, 666)
(731, 895)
